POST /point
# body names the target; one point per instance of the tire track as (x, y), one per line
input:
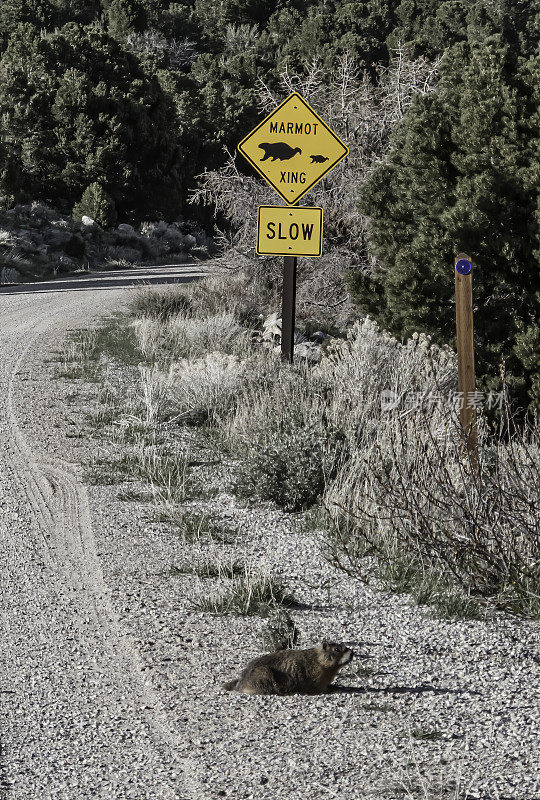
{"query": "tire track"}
(79, 720)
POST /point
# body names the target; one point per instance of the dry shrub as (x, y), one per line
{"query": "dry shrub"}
(296, 430)
(205, 389)
(363, 114)
(415, 503)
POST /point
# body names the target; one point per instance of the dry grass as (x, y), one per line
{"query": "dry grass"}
(250, 594)
(187, 337)
(403, 506)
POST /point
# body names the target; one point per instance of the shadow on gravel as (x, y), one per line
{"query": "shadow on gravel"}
(419, 690)
(398, 690)
(346, 690)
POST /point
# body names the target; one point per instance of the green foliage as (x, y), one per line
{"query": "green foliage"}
(98, 205)
(76, 109)
(463, 175)
(292, 471)
(429, 27)
(124, 17)
(82, 11)
(228, 96)
(40, 13)
(328, 30)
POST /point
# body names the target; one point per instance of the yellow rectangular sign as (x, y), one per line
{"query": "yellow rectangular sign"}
(293, 148)
(283, 231)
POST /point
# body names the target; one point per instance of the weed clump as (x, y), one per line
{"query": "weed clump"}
(279, 632)
(293, 469)
(248, 596)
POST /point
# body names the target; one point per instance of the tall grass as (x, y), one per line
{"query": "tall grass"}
(187, 337)
(403, 503)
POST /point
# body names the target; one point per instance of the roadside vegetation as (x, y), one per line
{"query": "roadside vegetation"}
(362, 448)
(146, 102)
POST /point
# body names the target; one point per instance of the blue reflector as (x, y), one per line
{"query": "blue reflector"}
(463, 266)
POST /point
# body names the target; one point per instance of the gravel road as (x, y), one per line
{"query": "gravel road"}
(77, 718)
(110, 678)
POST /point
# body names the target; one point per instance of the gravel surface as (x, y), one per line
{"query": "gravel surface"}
(78, 718)
(111, 677)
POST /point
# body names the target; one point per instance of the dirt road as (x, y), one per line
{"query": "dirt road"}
(77, 718)
(110, 677)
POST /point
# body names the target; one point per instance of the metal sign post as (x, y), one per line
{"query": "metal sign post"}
(288, 305)
(465, 353)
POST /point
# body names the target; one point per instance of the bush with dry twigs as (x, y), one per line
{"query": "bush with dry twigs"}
(404, 504)
(363, 114)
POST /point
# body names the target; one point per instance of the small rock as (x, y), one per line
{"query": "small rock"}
(10, 275)
(309, 351)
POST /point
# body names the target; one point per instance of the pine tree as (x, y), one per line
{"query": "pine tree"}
(75, 108)
(461, 176)
(96, 204)
(125, 17)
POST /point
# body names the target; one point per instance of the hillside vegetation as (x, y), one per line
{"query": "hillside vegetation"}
(120, 104)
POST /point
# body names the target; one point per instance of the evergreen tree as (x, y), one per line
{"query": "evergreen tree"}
(82, 11)
(125, 17)
(76, 109)
(228, 97)
(327, 30)
(96, 204)
(463, 175)
(40, 13)
(427, 27)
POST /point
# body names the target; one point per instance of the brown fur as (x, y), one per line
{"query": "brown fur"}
(293, 671)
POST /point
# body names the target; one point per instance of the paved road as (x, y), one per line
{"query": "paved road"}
(77, 720)
(110, 280)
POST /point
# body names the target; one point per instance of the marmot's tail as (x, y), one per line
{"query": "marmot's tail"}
(230, 685)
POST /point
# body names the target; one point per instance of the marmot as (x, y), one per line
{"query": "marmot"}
(293, 671)
(275, 150)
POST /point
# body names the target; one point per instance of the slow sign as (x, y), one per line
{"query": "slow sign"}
(286, 231)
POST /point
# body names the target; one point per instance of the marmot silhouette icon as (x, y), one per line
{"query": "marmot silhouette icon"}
(281, 150)
(318, 159)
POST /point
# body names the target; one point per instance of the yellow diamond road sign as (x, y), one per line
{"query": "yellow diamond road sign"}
(283, 231)
(293, 148)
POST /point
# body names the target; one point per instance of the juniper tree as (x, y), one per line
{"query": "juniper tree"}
(96, 204)
(75, 108)
(462, 175)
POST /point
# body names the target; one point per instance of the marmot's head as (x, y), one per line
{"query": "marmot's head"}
(332, 654)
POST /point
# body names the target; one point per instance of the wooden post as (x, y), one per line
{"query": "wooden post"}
(465, 353)
(288, 308)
